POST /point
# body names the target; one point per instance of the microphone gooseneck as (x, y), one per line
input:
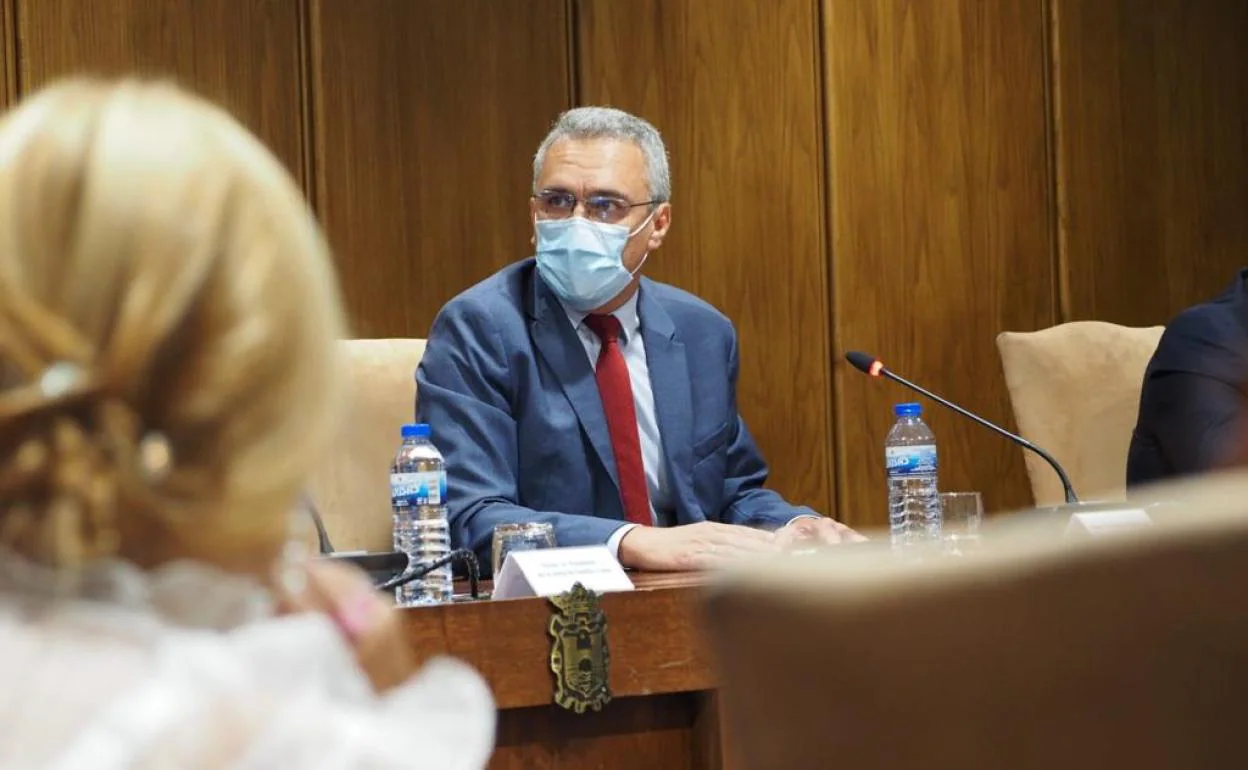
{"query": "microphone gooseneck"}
(420, 570)
(467, 557)
(871, 365)
(322, 536)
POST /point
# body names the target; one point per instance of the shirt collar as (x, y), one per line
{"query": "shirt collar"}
(630, 321)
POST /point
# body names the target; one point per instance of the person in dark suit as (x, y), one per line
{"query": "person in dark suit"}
(569, 389)
(1192, 407)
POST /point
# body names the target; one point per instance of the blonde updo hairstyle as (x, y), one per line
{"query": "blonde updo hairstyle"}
(168, 313)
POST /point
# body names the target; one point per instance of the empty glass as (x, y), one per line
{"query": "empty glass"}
(519, 537)
(961, 515)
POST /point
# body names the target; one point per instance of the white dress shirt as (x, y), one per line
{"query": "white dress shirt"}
(633, 348)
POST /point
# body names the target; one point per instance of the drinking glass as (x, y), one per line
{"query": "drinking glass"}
(519, 537)
(961, 515)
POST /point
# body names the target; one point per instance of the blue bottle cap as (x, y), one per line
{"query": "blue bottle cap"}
(415, 430)
(908, 410)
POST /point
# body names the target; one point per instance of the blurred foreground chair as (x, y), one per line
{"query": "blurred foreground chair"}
(1037, 653)
(1075, 389)
(351, 490)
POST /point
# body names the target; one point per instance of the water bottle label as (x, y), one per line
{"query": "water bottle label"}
(910, 460)
(422, 488)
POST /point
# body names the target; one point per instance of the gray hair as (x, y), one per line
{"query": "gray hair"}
(610, 123)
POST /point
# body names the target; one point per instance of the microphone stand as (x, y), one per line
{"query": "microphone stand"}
(1067, 488)
(322, 537)
(323, 543)
(467, 557)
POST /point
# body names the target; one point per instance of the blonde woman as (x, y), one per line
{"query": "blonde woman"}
(168, 314)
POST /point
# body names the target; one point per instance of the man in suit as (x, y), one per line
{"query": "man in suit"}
(569, 389)
(1192, 406)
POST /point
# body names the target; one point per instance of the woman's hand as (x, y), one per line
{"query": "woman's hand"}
(365, 616)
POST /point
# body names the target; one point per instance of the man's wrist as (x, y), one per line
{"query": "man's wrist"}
(613, 542)
(801, 516)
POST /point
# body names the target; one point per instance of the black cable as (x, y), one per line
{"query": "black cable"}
(412, 573)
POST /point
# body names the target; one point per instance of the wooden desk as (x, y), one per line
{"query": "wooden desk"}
(663, 715)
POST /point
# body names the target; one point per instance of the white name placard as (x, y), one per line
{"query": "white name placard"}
(552, 571)
(1097, 523)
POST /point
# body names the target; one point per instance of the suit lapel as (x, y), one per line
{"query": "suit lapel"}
(558, 344)
(673, 400)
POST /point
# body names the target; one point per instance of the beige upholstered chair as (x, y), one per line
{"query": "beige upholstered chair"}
(351, 491)
(1076, 392)
(1125, 651)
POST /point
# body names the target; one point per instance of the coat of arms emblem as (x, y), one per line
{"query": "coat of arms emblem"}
(578, 653)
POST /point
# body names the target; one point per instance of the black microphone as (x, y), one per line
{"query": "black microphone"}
(874, 367)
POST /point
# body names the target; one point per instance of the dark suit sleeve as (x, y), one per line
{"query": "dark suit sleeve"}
(746, 501)
(1196, 420)
(1192, 404)
(463, 387)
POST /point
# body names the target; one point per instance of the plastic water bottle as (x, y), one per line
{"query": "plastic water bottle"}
(418, 500)
(913, 496)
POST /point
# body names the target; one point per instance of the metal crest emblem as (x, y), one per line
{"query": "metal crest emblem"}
(578, 653)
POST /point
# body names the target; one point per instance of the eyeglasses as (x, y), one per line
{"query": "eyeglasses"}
(557, 204)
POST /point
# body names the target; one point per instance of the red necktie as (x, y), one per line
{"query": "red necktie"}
(616, 391)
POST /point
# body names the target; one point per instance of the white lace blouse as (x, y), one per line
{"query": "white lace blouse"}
(185, 667)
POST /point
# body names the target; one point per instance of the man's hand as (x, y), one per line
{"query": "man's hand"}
(691, 547)
(812, 531)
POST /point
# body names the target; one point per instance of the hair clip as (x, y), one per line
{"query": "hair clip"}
(59, 379)
(155, 456)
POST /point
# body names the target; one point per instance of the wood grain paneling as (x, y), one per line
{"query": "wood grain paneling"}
(427, 117)
(977, 156)
(243, 55)
(940, 218)
(507, 641)
(1152, 153)
(734, 88)
(8, 54)
(662, 713)
(657, 731)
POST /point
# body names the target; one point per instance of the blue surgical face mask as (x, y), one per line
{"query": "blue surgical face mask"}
(583, 261)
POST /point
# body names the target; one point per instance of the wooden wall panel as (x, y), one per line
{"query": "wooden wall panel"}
(244, 55)
(940, 214)
(8, 54)
(427, 117)
(734, 88)
(978, 154)
(1152, 153)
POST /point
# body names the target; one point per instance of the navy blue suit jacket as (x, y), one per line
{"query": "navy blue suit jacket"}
(1192, 406)
(511, 398)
